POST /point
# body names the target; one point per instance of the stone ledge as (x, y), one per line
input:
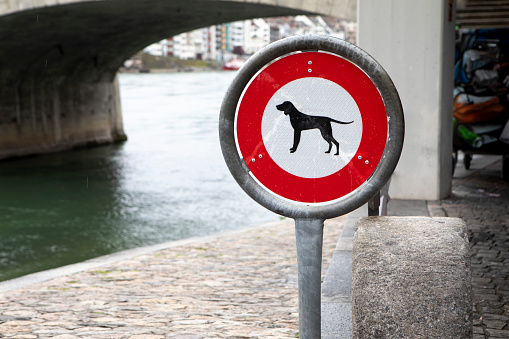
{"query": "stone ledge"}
(411, 278)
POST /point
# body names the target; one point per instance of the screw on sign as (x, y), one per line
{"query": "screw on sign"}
(311, 128)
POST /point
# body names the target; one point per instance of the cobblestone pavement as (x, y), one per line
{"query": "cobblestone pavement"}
(482, 200)
(237, 286)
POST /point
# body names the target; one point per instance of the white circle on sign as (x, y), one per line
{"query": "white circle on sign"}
(315, 97)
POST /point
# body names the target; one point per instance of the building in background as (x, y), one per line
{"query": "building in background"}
(257, 35)
(232, 40)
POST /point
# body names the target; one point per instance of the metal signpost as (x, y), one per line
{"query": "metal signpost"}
(311, 128)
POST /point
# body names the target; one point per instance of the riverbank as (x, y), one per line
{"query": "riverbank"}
(146, 63)
(171, 70)
(242, 284)
(168, 182)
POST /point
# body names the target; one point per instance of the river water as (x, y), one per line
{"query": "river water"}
(167, 182)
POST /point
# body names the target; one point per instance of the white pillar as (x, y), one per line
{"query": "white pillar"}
(414, 43)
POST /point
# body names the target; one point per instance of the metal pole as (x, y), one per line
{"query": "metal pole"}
(309, 236)
(374, 206)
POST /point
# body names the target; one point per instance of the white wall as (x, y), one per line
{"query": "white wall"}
(414, 43)
(257, 35)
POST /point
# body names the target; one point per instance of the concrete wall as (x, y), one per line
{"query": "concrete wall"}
(414, 42)
(39, 117)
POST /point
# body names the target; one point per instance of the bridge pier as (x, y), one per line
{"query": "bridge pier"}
(41, 115)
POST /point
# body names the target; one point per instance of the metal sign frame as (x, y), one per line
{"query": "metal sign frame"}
(394, 141)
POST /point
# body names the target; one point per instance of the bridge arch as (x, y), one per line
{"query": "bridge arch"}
(59, 89)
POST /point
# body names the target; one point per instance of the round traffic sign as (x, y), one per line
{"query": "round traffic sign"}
(311, 127)
(334, 150)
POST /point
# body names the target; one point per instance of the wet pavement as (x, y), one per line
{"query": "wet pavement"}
(244, 284)
(481, 198)
(237, 285)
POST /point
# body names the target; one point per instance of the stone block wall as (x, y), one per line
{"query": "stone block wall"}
(411, 278)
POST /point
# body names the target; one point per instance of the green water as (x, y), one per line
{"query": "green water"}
(167, 182)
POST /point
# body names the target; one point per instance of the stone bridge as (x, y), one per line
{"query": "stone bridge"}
(59, 60)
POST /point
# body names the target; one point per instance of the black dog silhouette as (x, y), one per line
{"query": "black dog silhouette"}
(301, 122)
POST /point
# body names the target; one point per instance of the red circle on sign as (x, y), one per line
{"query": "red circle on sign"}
(249, 127)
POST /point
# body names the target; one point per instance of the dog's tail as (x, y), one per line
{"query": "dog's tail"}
(340, 122)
